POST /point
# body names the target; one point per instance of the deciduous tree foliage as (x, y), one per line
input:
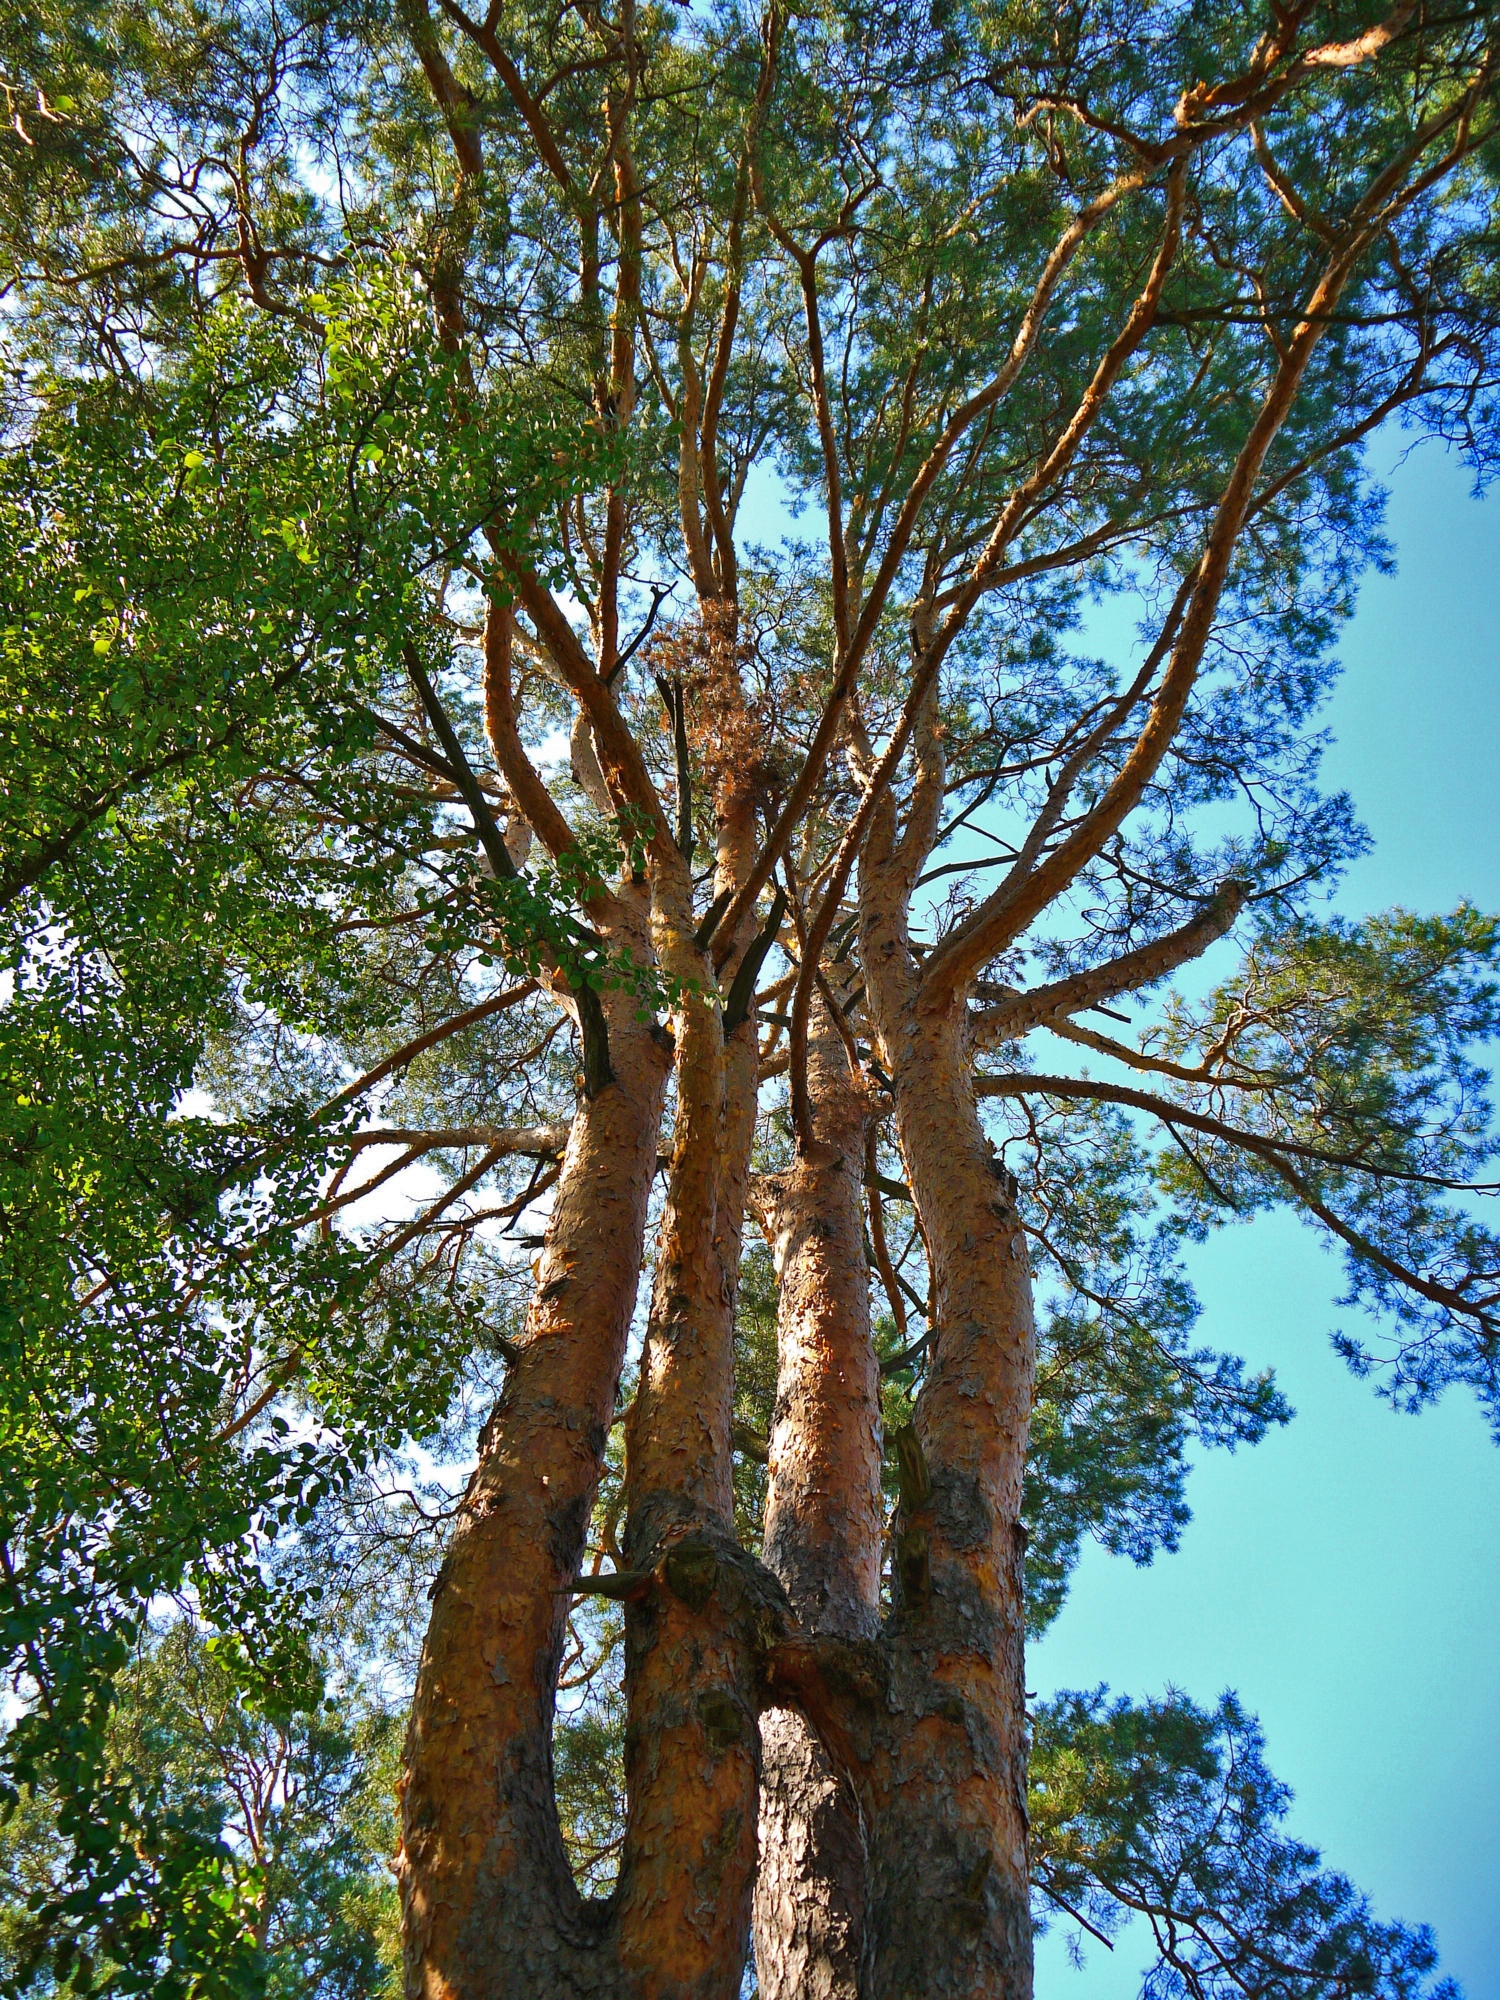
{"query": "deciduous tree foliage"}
(305, 1794)
(453, 865)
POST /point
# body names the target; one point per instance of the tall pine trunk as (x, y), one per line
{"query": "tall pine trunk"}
(691, 1755)
(491, 1911)
(822, 1536)
(950, 1895)
(692, 1759)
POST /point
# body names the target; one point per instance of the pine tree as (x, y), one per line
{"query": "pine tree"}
(393, 401)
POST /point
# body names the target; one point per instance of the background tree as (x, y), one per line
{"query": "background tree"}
(386, 394)
(303, 1799)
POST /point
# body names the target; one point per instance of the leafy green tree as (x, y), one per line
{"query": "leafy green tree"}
(298, 1806)
(1166, 1811)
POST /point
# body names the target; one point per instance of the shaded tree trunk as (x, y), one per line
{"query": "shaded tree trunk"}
(810, 1890)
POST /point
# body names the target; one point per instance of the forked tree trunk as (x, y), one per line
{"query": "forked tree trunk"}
(928, 1723)
(491, 1911)
(893, 1861)
(822, 1536)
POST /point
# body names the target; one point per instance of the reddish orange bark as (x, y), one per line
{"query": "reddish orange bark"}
(489, 1902)
(691, 1761)
(823, 1526)
(691, 1662)
(893, 1830)
(823, 1517)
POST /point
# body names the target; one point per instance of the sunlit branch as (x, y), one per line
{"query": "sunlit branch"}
(848, 665)
(1008, 912)
(536, 803)
(543, 1141)
(1105, 1045)
(1015, 1013)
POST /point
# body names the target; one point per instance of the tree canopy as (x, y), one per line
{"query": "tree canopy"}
(783, 564)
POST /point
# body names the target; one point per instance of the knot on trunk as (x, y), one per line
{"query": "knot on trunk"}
(690, 1572)
(841, 1686)
(707, 1566)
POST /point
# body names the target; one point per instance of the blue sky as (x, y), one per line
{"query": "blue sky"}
(1344, 1576)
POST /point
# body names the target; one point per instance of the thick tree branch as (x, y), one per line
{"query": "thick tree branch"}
(620, 755)
(537, 805)
(593, 1029)
(1015, 1014)
(544, 1142)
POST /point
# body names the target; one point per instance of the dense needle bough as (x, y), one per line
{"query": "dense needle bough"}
(691, 643)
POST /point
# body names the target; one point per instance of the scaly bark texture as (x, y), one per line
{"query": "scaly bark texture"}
(950, 1900)
(810, 1889)
(949, 1861)
(823, 1527)
(491, 1910)
(691, 1658)
(690, 1754)
(823, 1512)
